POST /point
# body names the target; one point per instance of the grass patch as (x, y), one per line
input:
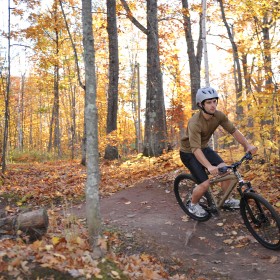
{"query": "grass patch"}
(17, 156)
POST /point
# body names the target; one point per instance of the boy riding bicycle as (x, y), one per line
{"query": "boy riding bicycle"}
(195, 152)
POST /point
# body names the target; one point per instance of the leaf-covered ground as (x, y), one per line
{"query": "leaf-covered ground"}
(58, 185)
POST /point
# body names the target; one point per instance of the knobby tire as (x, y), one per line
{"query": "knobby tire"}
(261, 219)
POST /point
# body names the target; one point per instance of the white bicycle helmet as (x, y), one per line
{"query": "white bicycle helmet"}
(206, 93)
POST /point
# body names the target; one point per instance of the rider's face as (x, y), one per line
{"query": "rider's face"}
(210, 105)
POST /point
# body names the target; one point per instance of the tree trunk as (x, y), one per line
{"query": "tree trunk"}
(7, 96)
(247, 79)
(73, 121)
(155, 139)
(93, 172)
(237, 67)
(83, 161)
(20, 113)
(55, 141)
(269, 86)
(111, 151)
(194, 59)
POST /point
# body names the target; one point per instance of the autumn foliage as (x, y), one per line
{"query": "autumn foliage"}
(46, 115)
(49, 115)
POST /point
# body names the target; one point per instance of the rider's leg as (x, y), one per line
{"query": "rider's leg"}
(199, 191)
(198, 171)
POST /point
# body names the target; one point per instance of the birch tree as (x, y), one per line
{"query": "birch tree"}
(93, 172)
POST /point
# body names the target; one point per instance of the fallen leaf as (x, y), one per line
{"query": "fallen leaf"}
(228, 241)
(273, 259)
(185, 218)
(55, 240)
(144, 202)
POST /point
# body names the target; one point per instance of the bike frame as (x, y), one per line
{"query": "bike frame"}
(235, 178)
(233, 182)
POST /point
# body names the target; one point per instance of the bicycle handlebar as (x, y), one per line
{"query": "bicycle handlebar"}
(224, 169)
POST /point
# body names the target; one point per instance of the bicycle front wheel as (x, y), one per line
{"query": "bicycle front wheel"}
(183, 187)
(261, 220)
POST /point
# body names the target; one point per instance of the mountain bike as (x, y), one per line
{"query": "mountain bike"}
(259, 216)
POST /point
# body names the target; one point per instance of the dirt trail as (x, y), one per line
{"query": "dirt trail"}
(220, 248)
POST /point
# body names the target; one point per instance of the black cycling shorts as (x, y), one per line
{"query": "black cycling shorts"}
(195, 167)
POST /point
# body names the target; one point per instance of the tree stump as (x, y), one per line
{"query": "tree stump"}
(34, 224)
(111, 152)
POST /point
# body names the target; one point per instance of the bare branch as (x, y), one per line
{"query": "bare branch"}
(73, 46)
(133, 19)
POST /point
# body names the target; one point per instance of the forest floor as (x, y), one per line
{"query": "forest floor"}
(152, 222)
(149, 236)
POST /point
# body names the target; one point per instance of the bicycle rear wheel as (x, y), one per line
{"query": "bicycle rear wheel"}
(261, 220)
(183, 187)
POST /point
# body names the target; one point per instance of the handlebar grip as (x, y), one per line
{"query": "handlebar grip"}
(223, 169)
(248, 156)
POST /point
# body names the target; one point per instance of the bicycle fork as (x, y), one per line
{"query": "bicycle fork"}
(261, 214)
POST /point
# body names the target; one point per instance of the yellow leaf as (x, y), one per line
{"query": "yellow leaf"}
(55, 240)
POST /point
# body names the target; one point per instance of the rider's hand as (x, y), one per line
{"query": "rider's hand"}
(213, 170)
(252, 149)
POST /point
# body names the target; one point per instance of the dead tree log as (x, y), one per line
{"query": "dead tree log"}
(33, 224)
